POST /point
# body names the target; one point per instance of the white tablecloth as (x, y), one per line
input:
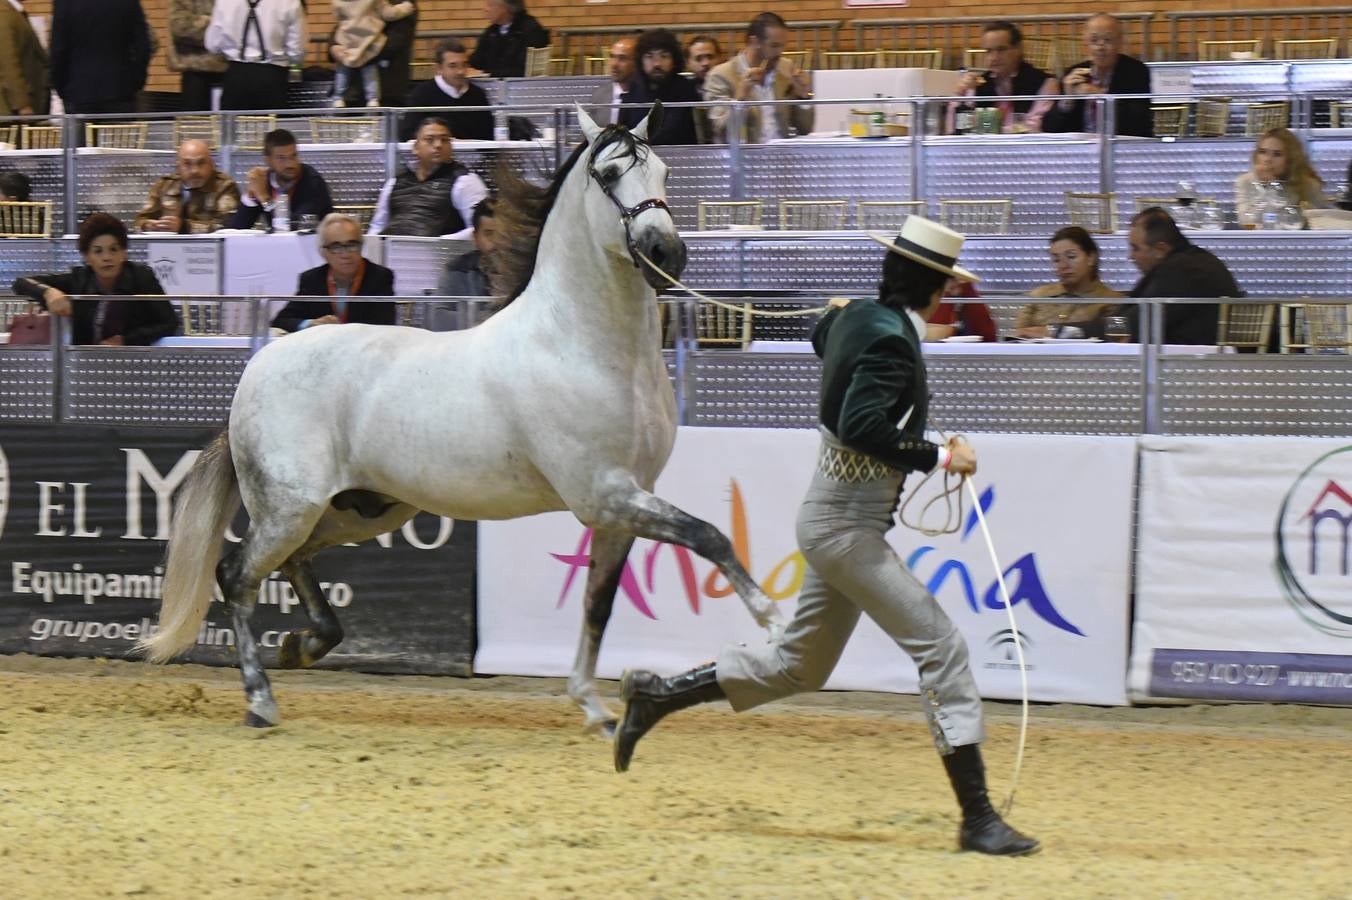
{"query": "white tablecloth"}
(1087, 348)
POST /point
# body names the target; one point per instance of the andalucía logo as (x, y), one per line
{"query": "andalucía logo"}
(164, 270)
(1314, 544)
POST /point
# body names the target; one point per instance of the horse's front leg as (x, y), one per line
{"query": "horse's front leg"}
(609, 550)
(649, 516)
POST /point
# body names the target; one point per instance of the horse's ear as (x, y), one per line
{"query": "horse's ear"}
(652, 123)
(589, 127)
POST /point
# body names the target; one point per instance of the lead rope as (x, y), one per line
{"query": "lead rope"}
(950, 526)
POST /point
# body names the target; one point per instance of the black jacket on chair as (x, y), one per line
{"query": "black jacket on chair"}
(139, 322)
(100, 51)
(311, 197)
(377, 281)
(1186, 272)
(1133, 117)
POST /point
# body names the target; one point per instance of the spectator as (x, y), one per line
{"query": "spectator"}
(1278, 156)
(261, 39)
(501, 50)
(961, 319)
(201, 70)
(23, 65)
(1107, 71)
(131, 322)
(100, 53)
(622, 70)
(358, 40)
(451, 88)
(14, 187)
(1075, 257)
(1008, 75)
(468, 274)
(1173, 266)
(345, 273)
(760, 74)
(282, 173)
(661, 59)
(196, 199)
(435, 197)
(395, 59)
(701, 55)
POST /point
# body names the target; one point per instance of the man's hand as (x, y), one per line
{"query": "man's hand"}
(323, 320)
(257, 184)
(801, 89)
(970, 80)
(962, 458)
(1077, 81)
(114, 341)
(58, 304)
(754, 76)
(164, 223)
(839, 301)
(25, 110)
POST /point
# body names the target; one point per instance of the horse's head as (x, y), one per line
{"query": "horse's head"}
(626, 197)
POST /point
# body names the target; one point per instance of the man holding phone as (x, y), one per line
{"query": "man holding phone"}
(759, 75)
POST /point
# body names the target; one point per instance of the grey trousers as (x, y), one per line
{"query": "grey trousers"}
(852, 569)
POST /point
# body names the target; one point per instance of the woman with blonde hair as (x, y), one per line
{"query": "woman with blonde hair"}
(1278, 157)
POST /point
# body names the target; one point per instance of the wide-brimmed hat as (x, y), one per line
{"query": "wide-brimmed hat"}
(929, 244)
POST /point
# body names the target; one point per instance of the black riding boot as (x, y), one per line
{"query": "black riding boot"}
(649, 697)
(982, 828)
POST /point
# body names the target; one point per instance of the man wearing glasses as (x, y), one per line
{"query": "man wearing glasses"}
(345, 273)
(1107, 71)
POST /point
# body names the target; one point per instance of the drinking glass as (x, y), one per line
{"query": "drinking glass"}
(1116, 329)
(309, 222)
(1212, 219)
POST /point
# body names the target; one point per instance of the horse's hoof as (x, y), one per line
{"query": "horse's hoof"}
(603, 728)
(289, 653)
(254, 720)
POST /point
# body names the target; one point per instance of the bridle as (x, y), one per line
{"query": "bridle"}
(627, 213)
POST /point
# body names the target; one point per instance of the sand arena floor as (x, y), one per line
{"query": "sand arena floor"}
(119, 779)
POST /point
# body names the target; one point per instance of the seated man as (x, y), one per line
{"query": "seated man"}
(345, 273)
(622, 70)
(434, 198)
(760, 73)
(450, 88)
(465, 276)
(1107, 71)
(284, 173)
(1173, 266)
(501, 48)
(14, 187)
(660, 62)
(1008, 75)
(196, 199)
(702, 54)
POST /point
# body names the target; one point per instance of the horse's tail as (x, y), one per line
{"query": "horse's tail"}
(207, 501)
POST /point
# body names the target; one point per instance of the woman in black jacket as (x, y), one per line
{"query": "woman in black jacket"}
(114, 322)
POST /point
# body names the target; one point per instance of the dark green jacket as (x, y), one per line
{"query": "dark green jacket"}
(872, 373)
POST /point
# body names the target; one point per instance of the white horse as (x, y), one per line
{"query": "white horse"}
(338, 434)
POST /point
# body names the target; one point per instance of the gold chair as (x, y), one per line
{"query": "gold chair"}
(362, 212)
(9, 134)
(201, 316)
(537, 61)
(1213, 117)
(716, 214)
(39, 137)
(198, 128)
(595, 65)
(345, 131)
(850, 59)
(1340, 114)
(1316, 327)
(1170, 121)
(250, 131)
(1316, 48)
(812, 215)
(1095, 213)
(1041, 52)
(977, 216)
(911, 59)
(974, 58)
(25, 219)
(1259, 117)
(887, 215)
(801, 58)
(561, 65)
(422, 71)
(1215, 51)
(1245, 325)
(1068, 52)
(130, 136)
(718, 326)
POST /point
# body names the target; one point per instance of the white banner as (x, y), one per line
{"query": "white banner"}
(185, 266)
(1244, 590)
(1059, 510)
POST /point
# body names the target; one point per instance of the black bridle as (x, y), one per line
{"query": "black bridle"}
(627, 213)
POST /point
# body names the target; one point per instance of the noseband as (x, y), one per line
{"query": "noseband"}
(627, 213)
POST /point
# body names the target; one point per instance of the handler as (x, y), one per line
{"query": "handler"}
(873, 375)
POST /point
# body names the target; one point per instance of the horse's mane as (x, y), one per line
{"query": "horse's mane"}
(523, 206)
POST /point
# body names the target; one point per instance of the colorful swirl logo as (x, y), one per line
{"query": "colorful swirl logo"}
(1313, 538)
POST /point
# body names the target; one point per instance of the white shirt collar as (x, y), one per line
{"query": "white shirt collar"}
(18, 7)
(447, 89)
(918, 322)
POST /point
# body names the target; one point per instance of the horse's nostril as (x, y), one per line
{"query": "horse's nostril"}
(658, 255)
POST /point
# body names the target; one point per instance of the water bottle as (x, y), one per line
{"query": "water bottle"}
(281, 214)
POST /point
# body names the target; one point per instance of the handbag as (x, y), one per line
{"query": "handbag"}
(31, 328)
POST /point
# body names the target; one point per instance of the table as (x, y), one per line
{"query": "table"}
(1011, 348)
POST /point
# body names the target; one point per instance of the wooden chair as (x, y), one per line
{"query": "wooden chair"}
(345, 131)
(250, 131)
(561, 65)
(801, 58)
(717, 326)
(1316, 48)
(850, 59)
(39, 137)
(911, 59)
(1095, 213)
(1213, 117)
(1340, 114)
(537, 61)
(9, 134)
(974, 58)
(887, 215)
(131, 136)
(1259, 117)
(1170, 121)
(1245, 325)
(1041, 52)
(717, 214)
(421, 71)
(595, 65)
(1316, 328)
(25, 219)
(362, 212)
(1069, 50)
(977, 216)
(198, 128)
(812, 215)
(1215, 51)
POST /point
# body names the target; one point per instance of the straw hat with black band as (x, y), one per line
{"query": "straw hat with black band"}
(929, 244)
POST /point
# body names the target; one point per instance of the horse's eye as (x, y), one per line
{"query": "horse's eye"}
(611, 175)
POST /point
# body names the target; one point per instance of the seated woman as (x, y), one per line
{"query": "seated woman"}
(961, 319)
(1075, 257)
(1278, 156)
(114, 322)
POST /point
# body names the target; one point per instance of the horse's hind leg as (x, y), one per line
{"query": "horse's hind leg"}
(301, 649)
(609, 550)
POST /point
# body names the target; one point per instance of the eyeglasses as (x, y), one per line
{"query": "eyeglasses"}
(344, 247)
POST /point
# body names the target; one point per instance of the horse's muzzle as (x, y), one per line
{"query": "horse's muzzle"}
(668, 252)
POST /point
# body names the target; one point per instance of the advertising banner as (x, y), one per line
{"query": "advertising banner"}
(84, 515)
(1244, 588)
(1059, 509)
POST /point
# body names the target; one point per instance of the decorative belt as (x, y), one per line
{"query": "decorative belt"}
(843, 464)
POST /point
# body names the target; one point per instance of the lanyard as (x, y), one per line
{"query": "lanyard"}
(341, 308)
